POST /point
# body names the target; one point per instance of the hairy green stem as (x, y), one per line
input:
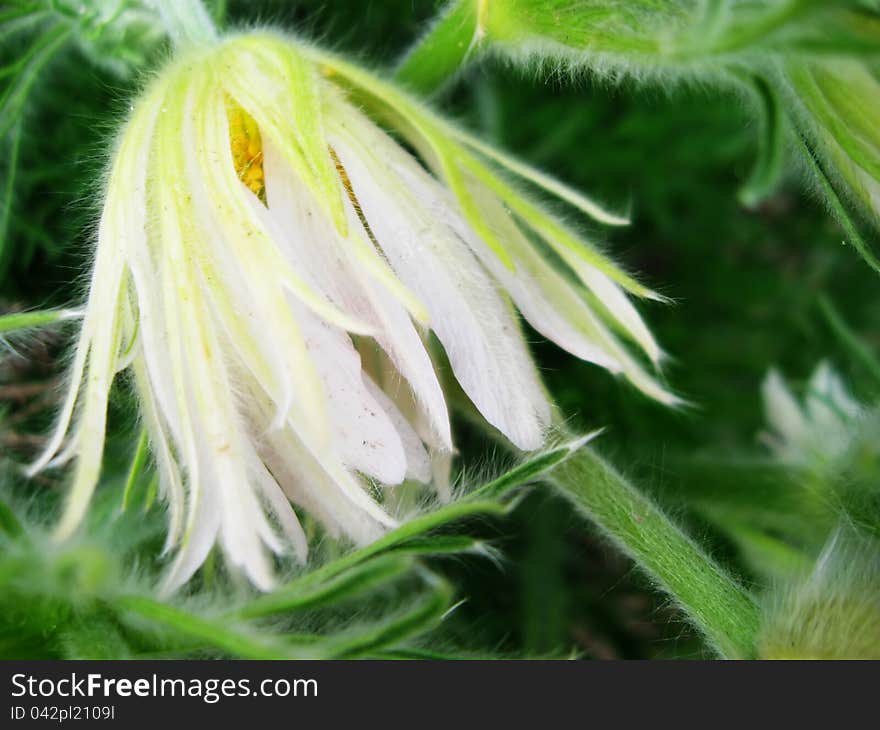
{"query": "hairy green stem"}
(26, 320)
(455, 37)
(715, 603)
(770, 161)
(187, 22)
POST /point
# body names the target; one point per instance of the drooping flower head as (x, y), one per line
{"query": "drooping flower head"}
(273, 267)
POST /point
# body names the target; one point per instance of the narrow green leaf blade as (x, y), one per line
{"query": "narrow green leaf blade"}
(354, 582)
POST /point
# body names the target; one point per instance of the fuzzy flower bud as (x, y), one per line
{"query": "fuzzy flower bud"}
(833, 612)
(270, 264)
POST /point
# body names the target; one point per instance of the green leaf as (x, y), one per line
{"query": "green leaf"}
(680, 36)
(454, 38)
(16, 20)
(531, 469)
(398, 539)
(439, 545)
(421, 615)
(354, 582)
(27, 320)
(7, 190)
(839, 209)
(13, 99)
(768, 168)
(136, 469)
(233, 640)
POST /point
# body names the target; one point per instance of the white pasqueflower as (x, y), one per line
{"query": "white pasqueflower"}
(269, 266)
(819, 430)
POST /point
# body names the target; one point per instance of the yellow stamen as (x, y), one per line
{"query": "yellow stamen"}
(349, 191)
(247, 149)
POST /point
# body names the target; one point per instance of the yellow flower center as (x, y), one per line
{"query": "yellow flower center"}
(247, 149)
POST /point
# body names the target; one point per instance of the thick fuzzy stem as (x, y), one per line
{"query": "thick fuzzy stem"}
(187, 21)
(713, 601)
(438, 56)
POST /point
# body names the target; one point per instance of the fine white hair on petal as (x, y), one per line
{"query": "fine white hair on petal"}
(365, 436)
(257, 261)
(469, 315)
(97, 353)
(418, 464)
(222, 482)
(272, 267)
(314, 481)
(619, 307)
(170, 482)
(93, 419)
(544, 298)
(106, 275)
(312, 244)
(391, 383)
(280, 507)
(547, 300)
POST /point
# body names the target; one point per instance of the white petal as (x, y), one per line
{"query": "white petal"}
(547, 301)
(315, 478)
(313, 246)
(223, 481)
(470, 317)
(92, 425)
(364, 435)
(280, 361)
(303, 480)
(123, 219)
(195, 547)
(619, 307)
(781, 410)
(418, 464)
(170, 482)
(828, 401)
(281, 508)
